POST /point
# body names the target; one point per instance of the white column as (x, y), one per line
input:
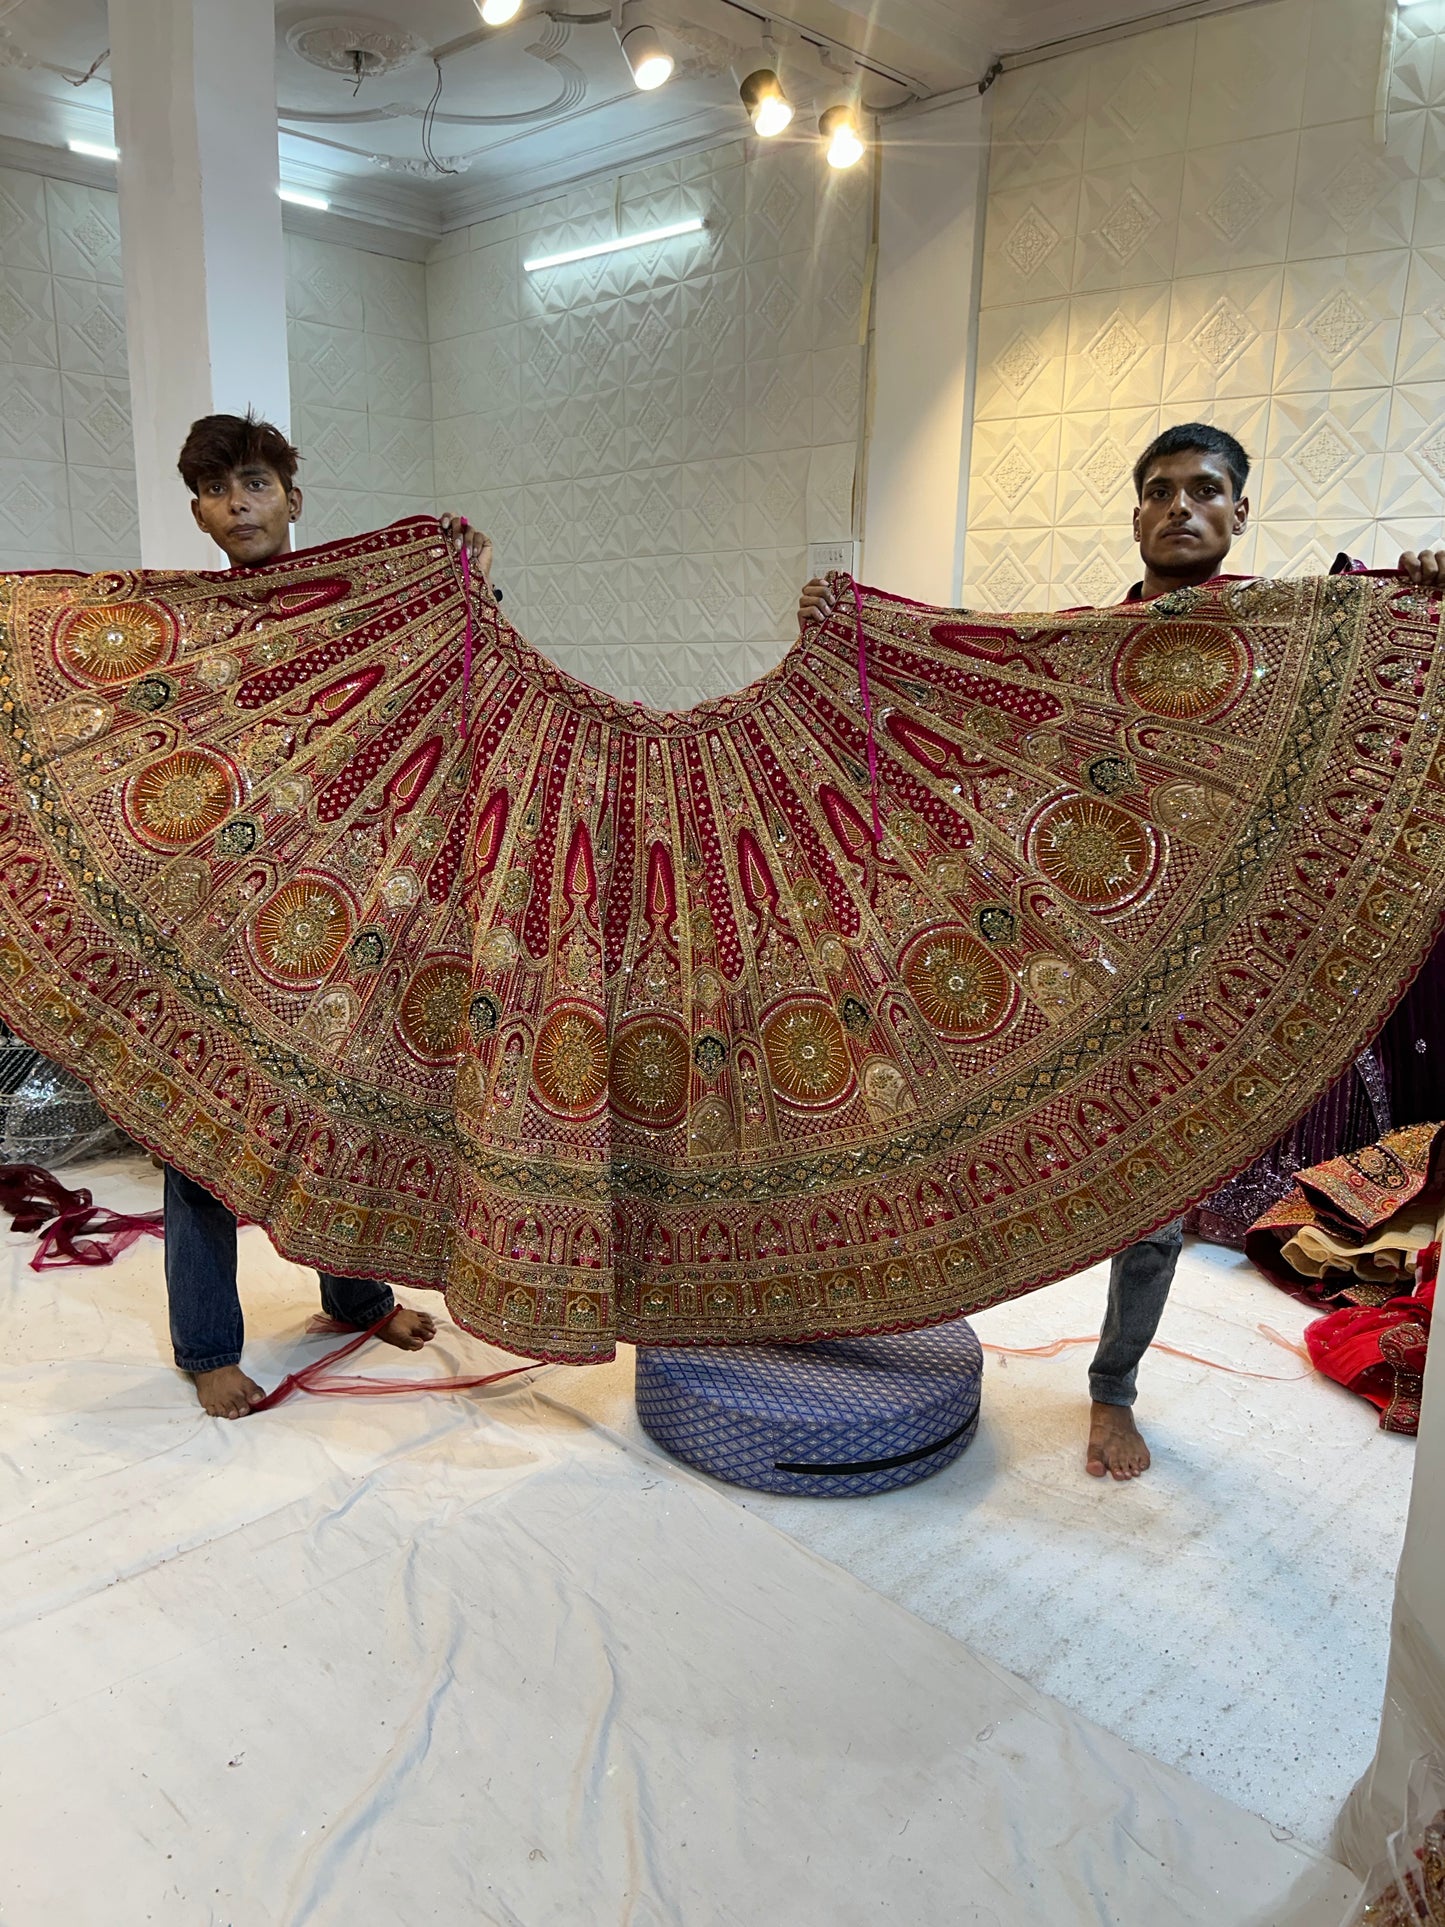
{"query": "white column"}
(205, 272)
(930, 220)
(1413, 1719)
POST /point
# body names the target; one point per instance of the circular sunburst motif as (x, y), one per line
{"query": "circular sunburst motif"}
(1183, 670)
(433, 1015)
(958, 984)
(648, 1077)
(113, 641)
(301, 930)
(569, 1063)
(1095, 852)
(807, 1054)
(182, 797)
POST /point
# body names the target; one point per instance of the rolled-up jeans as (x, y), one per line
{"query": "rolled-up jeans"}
(1139, 1281)
(207, 1329)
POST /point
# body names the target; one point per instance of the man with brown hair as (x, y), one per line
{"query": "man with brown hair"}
(242, 476)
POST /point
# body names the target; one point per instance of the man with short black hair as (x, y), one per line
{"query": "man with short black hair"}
(242, 476)
(1190, 484)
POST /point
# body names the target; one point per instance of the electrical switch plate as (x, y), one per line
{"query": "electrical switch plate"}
(823, 556)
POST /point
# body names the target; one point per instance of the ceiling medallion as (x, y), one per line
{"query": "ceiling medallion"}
(353, 44)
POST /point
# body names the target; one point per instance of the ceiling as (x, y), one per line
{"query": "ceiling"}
(526, 108)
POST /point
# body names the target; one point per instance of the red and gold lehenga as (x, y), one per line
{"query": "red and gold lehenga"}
(619, 1024)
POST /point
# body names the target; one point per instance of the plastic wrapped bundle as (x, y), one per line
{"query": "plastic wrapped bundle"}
(1407, 1889)
(47, 1116)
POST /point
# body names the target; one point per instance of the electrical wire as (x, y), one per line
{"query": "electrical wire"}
(428, 124)
(89, 73)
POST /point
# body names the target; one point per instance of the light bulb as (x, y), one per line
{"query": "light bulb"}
(840, 130)
(771, 110)
(649, 60)
(652, 73)
(772, 116)
(845, 148)
(497, 13)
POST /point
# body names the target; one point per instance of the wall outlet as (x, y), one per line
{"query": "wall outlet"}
(823, 556)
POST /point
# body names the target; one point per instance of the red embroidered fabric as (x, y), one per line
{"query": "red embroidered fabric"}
(1375, 1343)
(612, 1023)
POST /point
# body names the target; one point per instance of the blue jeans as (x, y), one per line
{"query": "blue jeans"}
(1139, 1281)
(207, 1329)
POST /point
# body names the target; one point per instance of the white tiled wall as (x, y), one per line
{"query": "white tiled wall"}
(67, 474)
(360, 383)
(1200, 223)
(361, 408)
(653, 438)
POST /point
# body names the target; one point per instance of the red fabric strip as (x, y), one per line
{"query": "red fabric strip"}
(74, 1229)
(315, 1378)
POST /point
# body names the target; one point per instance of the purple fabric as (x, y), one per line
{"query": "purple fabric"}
(1412, 1046)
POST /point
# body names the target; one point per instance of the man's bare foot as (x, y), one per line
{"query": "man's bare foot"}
(1115, 1443)
(409, 1329)
(227, 1392)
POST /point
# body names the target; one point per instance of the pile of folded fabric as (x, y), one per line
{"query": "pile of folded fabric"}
(1360, 1235)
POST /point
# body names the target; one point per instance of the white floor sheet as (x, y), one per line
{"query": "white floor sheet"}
(479, 1659)
(1229, 1612)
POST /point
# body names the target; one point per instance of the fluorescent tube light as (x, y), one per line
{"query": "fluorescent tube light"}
(97, 150)
(299, 197)
(614, 247)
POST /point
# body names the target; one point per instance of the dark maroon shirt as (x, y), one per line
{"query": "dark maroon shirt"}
(1342, 565)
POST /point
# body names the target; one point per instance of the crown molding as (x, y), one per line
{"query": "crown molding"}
(58, 163)
(344, 230)
(476, 201)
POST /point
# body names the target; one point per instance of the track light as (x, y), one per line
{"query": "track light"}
(649, 60)
(839, 127)
(496, 13)
(768, 106)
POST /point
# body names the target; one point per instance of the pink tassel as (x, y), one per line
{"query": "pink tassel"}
(467, 633)
(867, 713)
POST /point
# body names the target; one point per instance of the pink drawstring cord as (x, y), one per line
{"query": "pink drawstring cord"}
(467, 633)
(867, 712)
(316, 1377)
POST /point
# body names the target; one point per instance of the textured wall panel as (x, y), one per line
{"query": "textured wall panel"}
(653, 438)
(1205, 222)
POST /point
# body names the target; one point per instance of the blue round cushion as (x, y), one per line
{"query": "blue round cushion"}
(841, 1417)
